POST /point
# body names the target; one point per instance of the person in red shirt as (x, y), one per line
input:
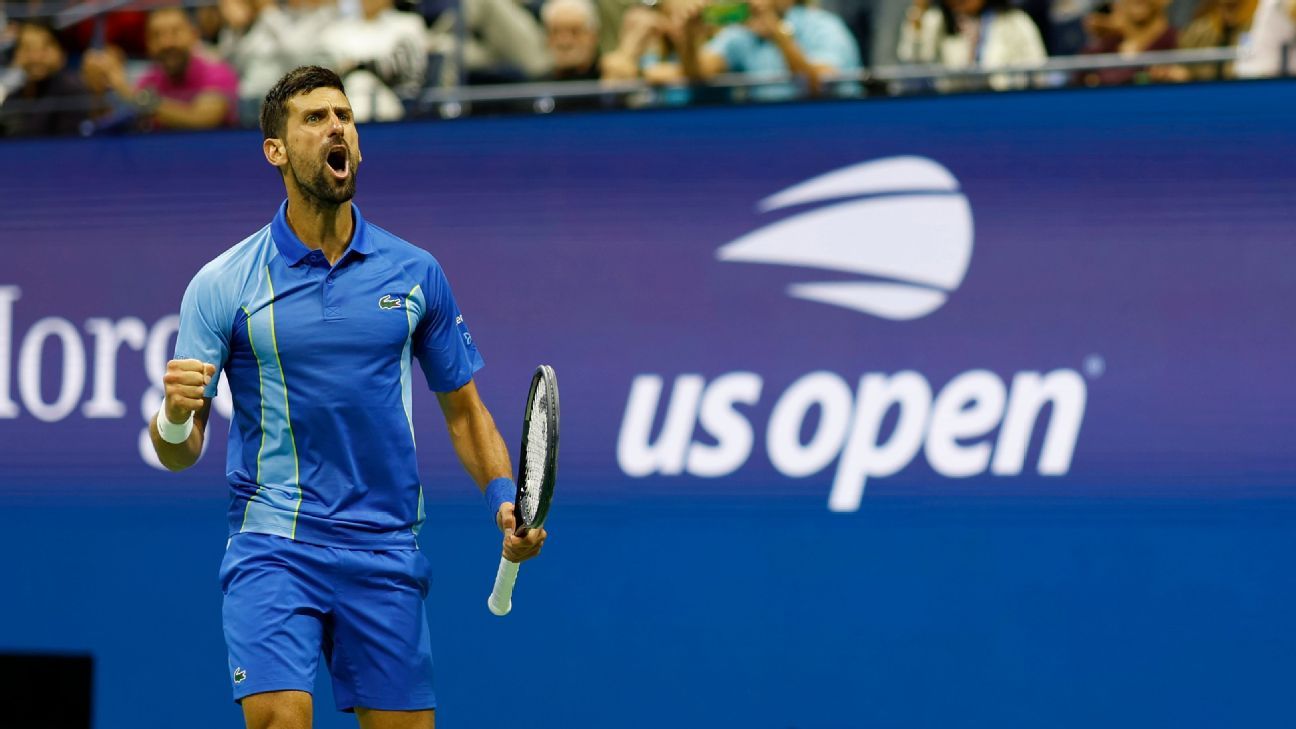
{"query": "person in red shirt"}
(183, 90)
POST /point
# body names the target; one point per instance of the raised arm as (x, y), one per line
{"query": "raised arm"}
(698, 62)
(184, 383)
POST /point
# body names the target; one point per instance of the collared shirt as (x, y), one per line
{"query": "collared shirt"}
(202, 75)
(319, 359)
(821, 36)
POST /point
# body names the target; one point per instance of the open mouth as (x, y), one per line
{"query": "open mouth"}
(339, 162)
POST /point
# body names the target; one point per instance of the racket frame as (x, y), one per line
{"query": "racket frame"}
(500, 601)
(543, 373)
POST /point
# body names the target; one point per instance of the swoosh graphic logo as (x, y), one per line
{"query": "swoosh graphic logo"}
(901, 221)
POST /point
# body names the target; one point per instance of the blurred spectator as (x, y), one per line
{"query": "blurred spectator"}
(1132, 27)
(610, 15)
(51, 99)
(505, 43)
(984, 34)
(1217, 24)
(1270, 47)
(644, 43)
(571, 27)
(264, 41)
(778, 36)
(183, 89)
(650, 36)
(381, 57)
(1065, 30)
(208, 20)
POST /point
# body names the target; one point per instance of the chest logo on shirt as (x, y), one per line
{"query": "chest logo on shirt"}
(389, 302)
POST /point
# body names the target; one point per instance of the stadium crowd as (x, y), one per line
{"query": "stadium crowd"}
(208, 65)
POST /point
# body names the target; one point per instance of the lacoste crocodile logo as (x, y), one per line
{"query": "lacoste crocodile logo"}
(389, 302)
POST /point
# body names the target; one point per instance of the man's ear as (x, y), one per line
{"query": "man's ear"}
(275, 152)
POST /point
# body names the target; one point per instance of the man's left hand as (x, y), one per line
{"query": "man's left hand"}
(518, 549)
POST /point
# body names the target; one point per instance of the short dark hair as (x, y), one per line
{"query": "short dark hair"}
(300, 80)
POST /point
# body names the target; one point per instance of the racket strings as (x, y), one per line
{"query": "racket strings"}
(537, 447)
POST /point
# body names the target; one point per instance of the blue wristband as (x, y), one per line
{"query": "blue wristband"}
(499, 492)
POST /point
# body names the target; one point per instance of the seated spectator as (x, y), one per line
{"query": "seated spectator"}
(1132, 27)
(650, 36)
(51, 100)
(960, 34)
(1217, 24)
(572, 30)
(381, 57)
(779, 36)
(649, 41)
(264, 41)
(1270, 47)
(184, 89)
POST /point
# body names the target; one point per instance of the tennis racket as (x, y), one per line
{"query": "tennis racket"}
(537, 469)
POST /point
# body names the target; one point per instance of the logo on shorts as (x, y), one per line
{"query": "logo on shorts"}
(389, 302)
(239, 676)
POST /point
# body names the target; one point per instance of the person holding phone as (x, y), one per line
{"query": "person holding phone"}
(767, 37)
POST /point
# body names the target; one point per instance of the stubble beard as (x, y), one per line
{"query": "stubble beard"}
(319, 188)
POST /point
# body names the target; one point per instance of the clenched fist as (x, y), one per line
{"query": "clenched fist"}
(184, 383)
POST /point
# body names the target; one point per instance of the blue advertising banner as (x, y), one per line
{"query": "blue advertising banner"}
(918, 358)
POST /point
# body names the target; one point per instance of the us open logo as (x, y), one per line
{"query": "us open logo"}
(901, 221)
(902, 229)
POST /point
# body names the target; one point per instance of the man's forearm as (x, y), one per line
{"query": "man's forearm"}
(479, 446)
(199, 114)
(796, 60)
(689, 53)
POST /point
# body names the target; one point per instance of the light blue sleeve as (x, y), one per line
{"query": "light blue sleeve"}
(826, 39)
(442, 343)
(734, 44)
(207, 315)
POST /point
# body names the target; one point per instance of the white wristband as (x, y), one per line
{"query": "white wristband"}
(173, 432)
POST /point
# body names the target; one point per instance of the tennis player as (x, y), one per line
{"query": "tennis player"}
(315, 320)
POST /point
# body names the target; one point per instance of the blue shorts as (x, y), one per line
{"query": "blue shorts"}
(286, 602)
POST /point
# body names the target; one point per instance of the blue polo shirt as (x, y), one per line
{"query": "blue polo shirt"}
(821, 36)
(319, 359)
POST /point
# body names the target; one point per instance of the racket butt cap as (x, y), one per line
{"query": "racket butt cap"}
(500, 611)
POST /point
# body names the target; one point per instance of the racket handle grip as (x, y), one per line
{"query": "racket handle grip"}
(500, 601)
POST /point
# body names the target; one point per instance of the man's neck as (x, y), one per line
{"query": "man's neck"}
(321, 226)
